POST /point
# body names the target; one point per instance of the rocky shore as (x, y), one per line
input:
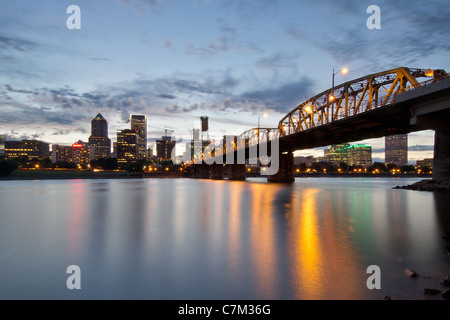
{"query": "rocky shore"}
(428, 185)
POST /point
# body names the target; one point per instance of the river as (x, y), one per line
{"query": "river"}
(202, 239)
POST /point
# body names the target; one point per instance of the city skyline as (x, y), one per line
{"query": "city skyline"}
(218, 60)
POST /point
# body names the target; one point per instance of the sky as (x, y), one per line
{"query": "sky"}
(178, 60)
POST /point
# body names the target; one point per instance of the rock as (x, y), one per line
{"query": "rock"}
(411, 273)
(430, 292)
(445, 281)
(446, 294)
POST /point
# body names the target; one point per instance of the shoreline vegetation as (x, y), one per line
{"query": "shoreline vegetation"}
(87, 174)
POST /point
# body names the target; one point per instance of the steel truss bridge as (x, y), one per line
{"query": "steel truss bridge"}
(400, 100)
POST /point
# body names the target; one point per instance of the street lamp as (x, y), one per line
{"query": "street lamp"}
(332, 97)
(265, 115)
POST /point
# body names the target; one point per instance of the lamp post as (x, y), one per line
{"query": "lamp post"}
(332, 98)
(259, 116)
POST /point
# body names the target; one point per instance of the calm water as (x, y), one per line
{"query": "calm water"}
(201, 239)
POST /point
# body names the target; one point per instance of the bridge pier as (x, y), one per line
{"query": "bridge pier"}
(237, 172)
(217, 171)
(201, 171)
(441, 162)
(286, 169)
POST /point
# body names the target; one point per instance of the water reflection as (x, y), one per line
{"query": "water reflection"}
(201, 239)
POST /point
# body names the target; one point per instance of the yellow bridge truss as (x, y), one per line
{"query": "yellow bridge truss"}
(355, 97)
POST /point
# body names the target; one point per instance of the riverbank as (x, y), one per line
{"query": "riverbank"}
(428, 185)
(78, 174)
(69, 174)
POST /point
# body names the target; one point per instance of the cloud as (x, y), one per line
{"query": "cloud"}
(285, 97)
(16, 44)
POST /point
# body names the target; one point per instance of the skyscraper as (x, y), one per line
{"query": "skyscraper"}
(139, 124)
(359, 155)
(396, 149)
(164, 148)
(126, 146)
(99, 143)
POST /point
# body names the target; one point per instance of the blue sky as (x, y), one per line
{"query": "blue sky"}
(177, 60)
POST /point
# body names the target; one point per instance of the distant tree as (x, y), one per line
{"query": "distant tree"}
(6, 167)
(343, 166)
(104, 164)
(424, 169)
(391, 166)
(303, 167)
(45, 163)
(408, 168)
(381, 167)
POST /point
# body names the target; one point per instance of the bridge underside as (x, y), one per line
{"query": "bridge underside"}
(376, 123)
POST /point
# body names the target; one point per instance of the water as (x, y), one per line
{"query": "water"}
(201, 239)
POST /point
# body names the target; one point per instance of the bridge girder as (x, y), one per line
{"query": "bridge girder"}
(355, 97)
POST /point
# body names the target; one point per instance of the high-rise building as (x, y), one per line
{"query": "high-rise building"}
(80, 153)
(33, 149)
(126, 146)
(62, 153)
(139, 124)
(425, 163)
(338, 153)
(164, 148)
(99, 142)
(396, 149)
(2, 145)
(359, 155)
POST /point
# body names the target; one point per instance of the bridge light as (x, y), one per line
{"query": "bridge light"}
(344, 71)
(429, 73)
(308, 108)
(331, 98)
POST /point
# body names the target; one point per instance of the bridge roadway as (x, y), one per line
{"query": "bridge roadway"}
(423, 108)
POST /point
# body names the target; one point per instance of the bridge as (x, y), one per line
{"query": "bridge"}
(391, 102)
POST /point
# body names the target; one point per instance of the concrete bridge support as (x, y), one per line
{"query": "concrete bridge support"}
(217, 171)
(441, 162)
(201, 171)
(237, 172)
(285, 170)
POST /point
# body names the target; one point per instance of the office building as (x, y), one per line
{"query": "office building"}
(139, 124)
(396, 149)
(62, 153)
(99, 143)
(164, 148)
(2, 145)
(337, 153)
(127, 141)
(425, 163)
(33, 149)
(359, 155)
(80, 154)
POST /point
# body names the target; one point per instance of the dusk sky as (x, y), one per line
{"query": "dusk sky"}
(177, 60)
